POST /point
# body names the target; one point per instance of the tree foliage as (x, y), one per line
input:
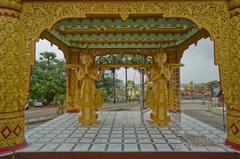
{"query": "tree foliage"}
(48, 78)
(106, 85)
(109, 85)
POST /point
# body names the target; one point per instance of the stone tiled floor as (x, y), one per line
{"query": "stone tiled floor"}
(124, 131)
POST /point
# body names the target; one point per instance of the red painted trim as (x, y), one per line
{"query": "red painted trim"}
(9, 149)
(9, 15)
(232, 145)
(73, 111)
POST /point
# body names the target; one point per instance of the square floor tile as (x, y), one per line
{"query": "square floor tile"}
(131, 147)
(65, 147)
(102, 135)
(147, 147)
(170, 136)
(116, 135)
(76, 135)
(81, 147)
(163, 147)
(98, 147)
(88, 140)
(174, 141)
(101, 140)
(44, 139)
(115, 147)
(159, 141)
(143, 136)
(146, 141)
(58, 139)
(89, 135)
(63, 135)
(134, 141)
(72, 140)
(115, 140)
(50, 147)
(129, 136)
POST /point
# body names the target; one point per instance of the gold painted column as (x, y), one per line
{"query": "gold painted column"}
(12, 96)
(174, 83)
(74, 58)
(232, 89)
(174, 92)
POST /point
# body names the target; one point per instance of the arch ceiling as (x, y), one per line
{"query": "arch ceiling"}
(134, 32)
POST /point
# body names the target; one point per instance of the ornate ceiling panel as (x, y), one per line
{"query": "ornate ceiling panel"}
(113, 32)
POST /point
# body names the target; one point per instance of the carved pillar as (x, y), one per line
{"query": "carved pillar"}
(12, 95)
(174, 89)
(73, 58)
(232, 89)
(174, 85)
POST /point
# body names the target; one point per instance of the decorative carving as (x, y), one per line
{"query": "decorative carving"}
(211, 15)
(11, 130)
(174, 91)
(232, 89)
(12, 95)
(72, 82)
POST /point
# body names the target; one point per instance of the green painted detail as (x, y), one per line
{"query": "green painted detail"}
(131, 33)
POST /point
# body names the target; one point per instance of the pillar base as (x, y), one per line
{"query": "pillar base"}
(72, 111)
(160, 122)
(91, 121)
(10, 149)
(232, 145)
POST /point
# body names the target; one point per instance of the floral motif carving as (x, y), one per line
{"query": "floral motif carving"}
(233, 88)
(12, 95)
(212, 15)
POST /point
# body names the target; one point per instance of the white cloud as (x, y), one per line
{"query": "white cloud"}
(199, 63)
(44, 45)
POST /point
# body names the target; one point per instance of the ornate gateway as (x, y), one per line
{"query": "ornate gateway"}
(119, 27)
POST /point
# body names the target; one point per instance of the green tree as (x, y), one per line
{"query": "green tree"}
(106, 85)
(48, 78)
(209, 85)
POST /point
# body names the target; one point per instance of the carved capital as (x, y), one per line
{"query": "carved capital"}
(11, 4)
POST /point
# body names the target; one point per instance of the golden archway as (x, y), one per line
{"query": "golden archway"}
(24, 20)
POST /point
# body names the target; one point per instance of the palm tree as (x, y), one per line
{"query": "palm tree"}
(50, 57)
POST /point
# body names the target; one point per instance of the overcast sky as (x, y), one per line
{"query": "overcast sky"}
(199, 62)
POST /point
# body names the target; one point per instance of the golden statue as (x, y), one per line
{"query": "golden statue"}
(131, 90)
(157, 96)
(87, 98)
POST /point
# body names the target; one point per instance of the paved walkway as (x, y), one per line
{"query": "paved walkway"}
(206, 113)
(124, 131)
